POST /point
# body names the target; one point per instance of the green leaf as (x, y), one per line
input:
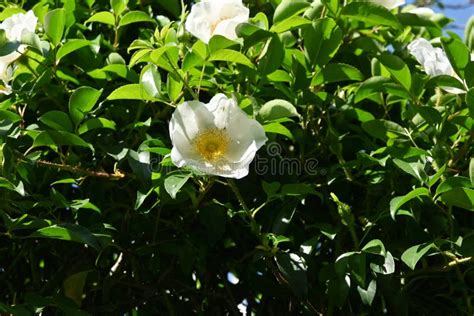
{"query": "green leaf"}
(292, 23)
(459, 197)
(6, 184)
(82, 101)
(218, 42)
(231, 56)
(399, 201)
(104, 17)
(397, 68)
(289, 8)
(383, 129)
(277, 128)
(95, 123)
(118, 6)
(74, 286)
(59, 138)
(293, 267)
(470, 101)
(135, 17)
(151, 80)
(71, 46)
(415, 169)
(54, 23)
(272, 59)
(375, 246)
(457, 53)
(335, 73)
(9, 11)
(367, 295)
(412, 255)
(130, 92)
(57, 120)
(69, 232)
(175, 182)
(469, 70)
(277, 109)
(371, 14)
(452, 183)
(322, 40)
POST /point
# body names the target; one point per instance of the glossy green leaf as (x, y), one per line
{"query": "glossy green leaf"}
(130, 92)
(69, 232)
(322, 40)
(397, 68)
(277, 109)
(95, 123)
(59, 138)
(231, 56)
(459, 197)
(397, 202)
(289, 8)
(371, 14)
(175, 182)
(82, 101)
(71, 46)
(54, 24)
(367, 295)
(135, 17)
(412, 255)
(118, 6)
(293, 267)
(151, 81)
(102, 17)
(57, 120)
(336, 73)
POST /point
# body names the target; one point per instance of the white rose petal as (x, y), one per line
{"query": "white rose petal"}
(434, 60)
(216, 138)
(216, 17)
(422, 11)
(389, 4)
(18, 25)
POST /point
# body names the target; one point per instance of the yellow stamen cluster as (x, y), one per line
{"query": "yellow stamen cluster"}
(211, 144)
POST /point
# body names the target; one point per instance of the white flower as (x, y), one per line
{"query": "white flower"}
(434, 59)
(389, 4)
(216, 138)
(216, 17)
(422, 11)
(18, 25)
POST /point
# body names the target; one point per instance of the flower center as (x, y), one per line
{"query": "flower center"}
(216, 23)
(211, 144)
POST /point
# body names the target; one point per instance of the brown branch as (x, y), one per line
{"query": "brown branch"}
(117, 175)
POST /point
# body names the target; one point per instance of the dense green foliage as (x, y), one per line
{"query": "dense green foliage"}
(361, 202)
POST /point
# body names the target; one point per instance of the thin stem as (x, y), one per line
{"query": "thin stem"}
(185, 82)
(204, 191)
(237, 194)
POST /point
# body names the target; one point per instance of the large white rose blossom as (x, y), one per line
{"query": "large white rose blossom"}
(216, 17)
(434, 59)
(216, 138)
(19, 25)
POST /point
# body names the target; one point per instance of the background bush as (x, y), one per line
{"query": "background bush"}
(94, 219)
